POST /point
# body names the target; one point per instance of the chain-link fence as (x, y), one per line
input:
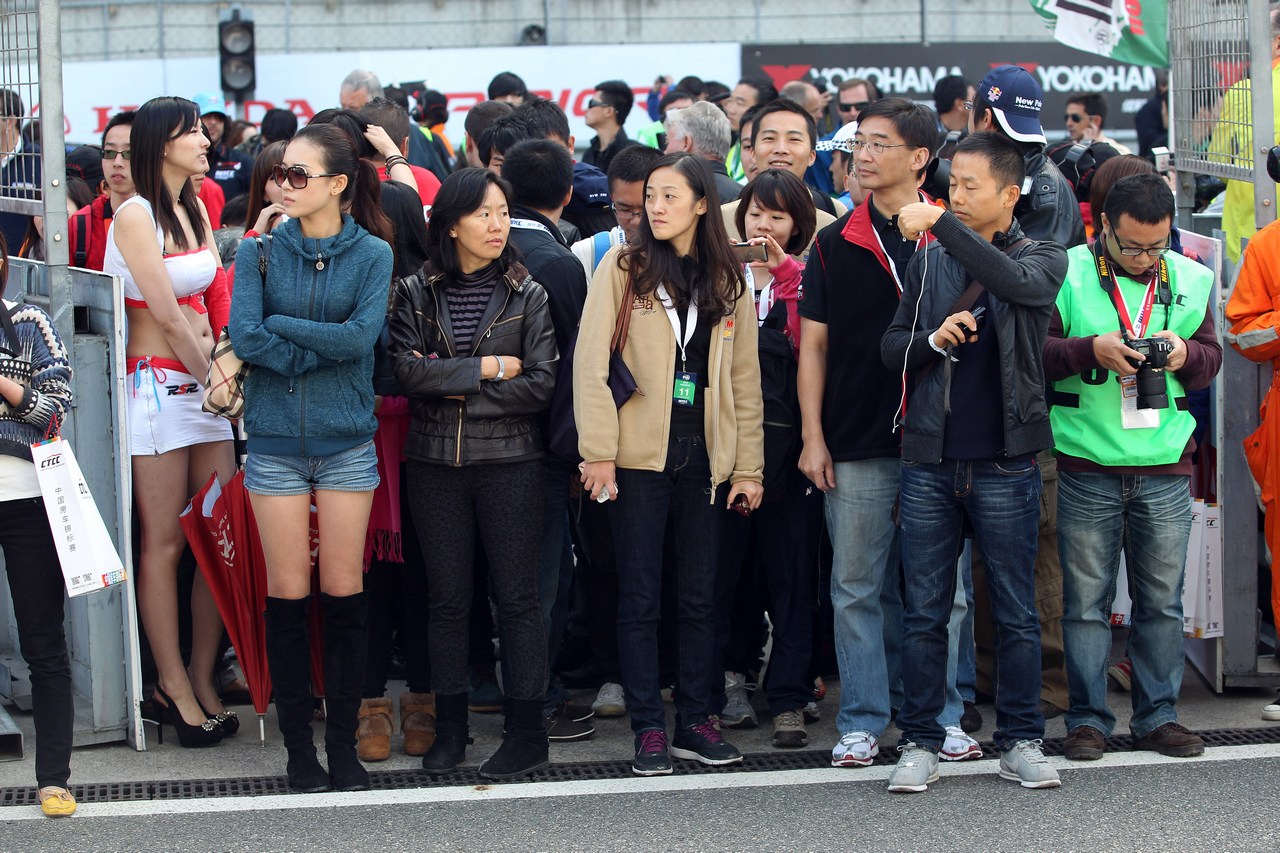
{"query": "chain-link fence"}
(1210, 86)
(19, 132)
(142, 29)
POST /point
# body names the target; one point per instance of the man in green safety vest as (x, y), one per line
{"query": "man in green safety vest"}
(1132, 333)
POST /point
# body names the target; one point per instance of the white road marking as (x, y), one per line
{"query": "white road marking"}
(658, 784)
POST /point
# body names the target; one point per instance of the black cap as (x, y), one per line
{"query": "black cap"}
(85, 163)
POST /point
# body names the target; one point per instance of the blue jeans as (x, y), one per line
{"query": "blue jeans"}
(1150, 518)
(865, 592)
(646, 499)
(967, 664)
(1002, 500)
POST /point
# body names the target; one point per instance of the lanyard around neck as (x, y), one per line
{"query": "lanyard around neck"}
(690, 322)
(1135, 327)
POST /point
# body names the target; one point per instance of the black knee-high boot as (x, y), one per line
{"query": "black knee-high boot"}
(452, 734)
(344, 654)
(289, 658)
(524, 742)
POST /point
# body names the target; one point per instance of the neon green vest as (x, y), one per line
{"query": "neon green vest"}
(648, 134)
(1092, 430)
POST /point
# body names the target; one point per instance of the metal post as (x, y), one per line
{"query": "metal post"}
(53, 152)
(1264, 136)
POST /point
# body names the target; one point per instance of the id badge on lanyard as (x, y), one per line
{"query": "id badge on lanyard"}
(685, 389)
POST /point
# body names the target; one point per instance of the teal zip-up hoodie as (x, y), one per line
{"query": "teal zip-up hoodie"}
(310, 335)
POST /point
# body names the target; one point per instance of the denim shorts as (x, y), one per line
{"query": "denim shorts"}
(354, 470)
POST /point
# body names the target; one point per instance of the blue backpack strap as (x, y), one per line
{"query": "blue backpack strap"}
(600, 245)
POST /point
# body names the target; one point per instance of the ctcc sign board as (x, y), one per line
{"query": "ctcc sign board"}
(911, 70)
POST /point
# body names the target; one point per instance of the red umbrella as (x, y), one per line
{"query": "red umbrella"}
(220, 526)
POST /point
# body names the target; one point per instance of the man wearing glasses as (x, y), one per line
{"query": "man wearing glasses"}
(1132, 332)
(1085, 115)
(853, 95)
(607, 112)
(87, 228)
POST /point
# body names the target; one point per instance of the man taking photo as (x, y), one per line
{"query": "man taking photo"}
(1132, 333)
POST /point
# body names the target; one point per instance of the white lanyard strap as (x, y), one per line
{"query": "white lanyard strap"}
(764, 299)
(529, 225)
(690, 321)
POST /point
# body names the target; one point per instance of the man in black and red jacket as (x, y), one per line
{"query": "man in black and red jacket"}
(849, 401)
(87, 228)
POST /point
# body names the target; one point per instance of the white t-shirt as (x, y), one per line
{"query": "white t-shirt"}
(17, 479)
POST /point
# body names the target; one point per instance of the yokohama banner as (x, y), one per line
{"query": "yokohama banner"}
(910, 70)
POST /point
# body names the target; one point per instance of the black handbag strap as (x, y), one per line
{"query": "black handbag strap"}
(264, 251)
(10, 332)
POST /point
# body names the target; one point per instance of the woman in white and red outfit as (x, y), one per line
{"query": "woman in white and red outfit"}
(769, 559)
(161, 244)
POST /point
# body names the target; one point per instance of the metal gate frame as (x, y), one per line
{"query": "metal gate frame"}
(103, 627)
(1204, 39)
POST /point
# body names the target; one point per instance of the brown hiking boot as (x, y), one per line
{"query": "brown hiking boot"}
(418, 722)
(373, 734)
(1084, 743)
(1172, 739)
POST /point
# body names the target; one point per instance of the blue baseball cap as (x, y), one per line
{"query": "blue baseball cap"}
(210, 102)
(1016, 99)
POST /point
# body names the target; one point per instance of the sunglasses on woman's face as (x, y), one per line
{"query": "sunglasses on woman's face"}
(296, 175)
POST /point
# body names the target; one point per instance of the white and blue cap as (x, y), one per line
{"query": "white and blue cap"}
(1016, 99)
(210, 102)
(842, 140)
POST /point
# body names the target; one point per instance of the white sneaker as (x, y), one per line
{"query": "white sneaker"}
(738, 713)
(1025, 763)
(610, 701)
(812, 713)
(855, 749)
(917, 767)
(959, 746)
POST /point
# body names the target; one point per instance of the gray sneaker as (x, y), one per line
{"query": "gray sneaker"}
(737, 713)
(917, 767)
(1025, 763)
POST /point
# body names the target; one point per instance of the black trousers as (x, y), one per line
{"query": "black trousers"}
(35, 583)
(503, 503)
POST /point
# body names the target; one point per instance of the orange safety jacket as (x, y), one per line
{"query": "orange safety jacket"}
(1254, 314)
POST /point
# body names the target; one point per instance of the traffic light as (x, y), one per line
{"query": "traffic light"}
(235, 53)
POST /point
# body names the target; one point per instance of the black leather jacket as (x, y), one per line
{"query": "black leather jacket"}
(1023, 289)
(1050, 211)
(497, 419)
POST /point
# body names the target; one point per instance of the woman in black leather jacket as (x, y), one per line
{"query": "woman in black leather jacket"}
(474, 350)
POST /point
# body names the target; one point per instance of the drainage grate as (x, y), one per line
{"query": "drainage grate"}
(391, 780)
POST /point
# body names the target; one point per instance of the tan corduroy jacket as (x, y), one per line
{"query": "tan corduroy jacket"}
(635, 436)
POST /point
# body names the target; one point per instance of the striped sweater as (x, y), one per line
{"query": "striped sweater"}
(40, 366)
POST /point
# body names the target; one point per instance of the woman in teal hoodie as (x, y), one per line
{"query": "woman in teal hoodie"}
(308, 322)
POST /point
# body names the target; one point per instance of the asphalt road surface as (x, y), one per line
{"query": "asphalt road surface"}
(1129, 801)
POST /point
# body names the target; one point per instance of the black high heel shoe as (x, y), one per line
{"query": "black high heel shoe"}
(207, 733)
(228, 721)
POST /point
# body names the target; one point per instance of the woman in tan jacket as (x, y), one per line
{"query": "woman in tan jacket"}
(685, 447)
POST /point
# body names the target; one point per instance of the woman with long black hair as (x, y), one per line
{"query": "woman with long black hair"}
(161, 244)
(309, 331)
(475, 351)
(685, 448)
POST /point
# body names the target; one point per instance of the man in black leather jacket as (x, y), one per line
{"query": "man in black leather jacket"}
(1008, 101)
(975, 418)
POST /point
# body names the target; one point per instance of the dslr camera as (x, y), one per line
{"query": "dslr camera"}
(1153, 390)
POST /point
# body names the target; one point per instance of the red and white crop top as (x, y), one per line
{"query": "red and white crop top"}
(191, 272)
